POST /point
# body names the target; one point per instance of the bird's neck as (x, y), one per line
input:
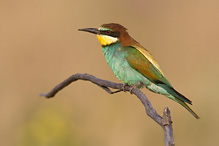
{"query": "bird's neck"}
(112, 51)
(110, 48)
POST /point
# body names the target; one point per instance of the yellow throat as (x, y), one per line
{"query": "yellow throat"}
(106, 40)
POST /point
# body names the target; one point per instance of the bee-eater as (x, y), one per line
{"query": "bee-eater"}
(133, 64)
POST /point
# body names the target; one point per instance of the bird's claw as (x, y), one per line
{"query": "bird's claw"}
(138, 85)
(123, 87)
(132, 89)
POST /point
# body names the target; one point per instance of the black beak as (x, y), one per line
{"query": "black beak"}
(91, 30)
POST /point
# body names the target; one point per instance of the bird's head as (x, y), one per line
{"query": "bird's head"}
(111, 33)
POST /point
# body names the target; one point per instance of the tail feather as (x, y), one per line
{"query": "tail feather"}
(176, 96)
(175, 93)
(187, 107)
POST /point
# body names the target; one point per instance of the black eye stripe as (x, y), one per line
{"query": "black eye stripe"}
(110, 33)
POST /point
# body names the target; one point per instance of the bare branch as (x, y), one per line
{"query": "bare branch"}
(167, 127)
(165, 121)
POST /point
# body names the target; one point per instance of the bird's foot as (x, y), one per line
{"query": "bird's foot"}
(124, 87)
(138, 85)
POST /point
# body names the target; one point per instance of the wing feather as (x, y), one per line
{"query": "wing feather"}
(143, 61)
(147, 66)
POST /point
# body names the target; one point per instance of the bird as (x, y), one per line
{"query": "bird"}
(133, 64)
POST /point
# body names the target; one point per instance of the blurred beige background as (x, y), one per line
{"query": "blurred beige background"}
(40, 47)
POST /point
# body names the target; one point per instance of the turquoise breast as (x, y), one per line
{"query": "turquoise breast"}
(115, 55)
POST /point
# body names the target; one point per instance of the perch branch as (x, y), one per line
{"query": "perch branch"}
(164, 121)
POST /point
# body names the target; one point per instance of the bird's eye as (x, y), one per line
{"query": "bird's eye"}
(108, 32)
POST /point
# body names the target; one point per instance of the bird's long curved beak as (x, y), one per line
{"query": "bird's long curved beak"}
(91, 30)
